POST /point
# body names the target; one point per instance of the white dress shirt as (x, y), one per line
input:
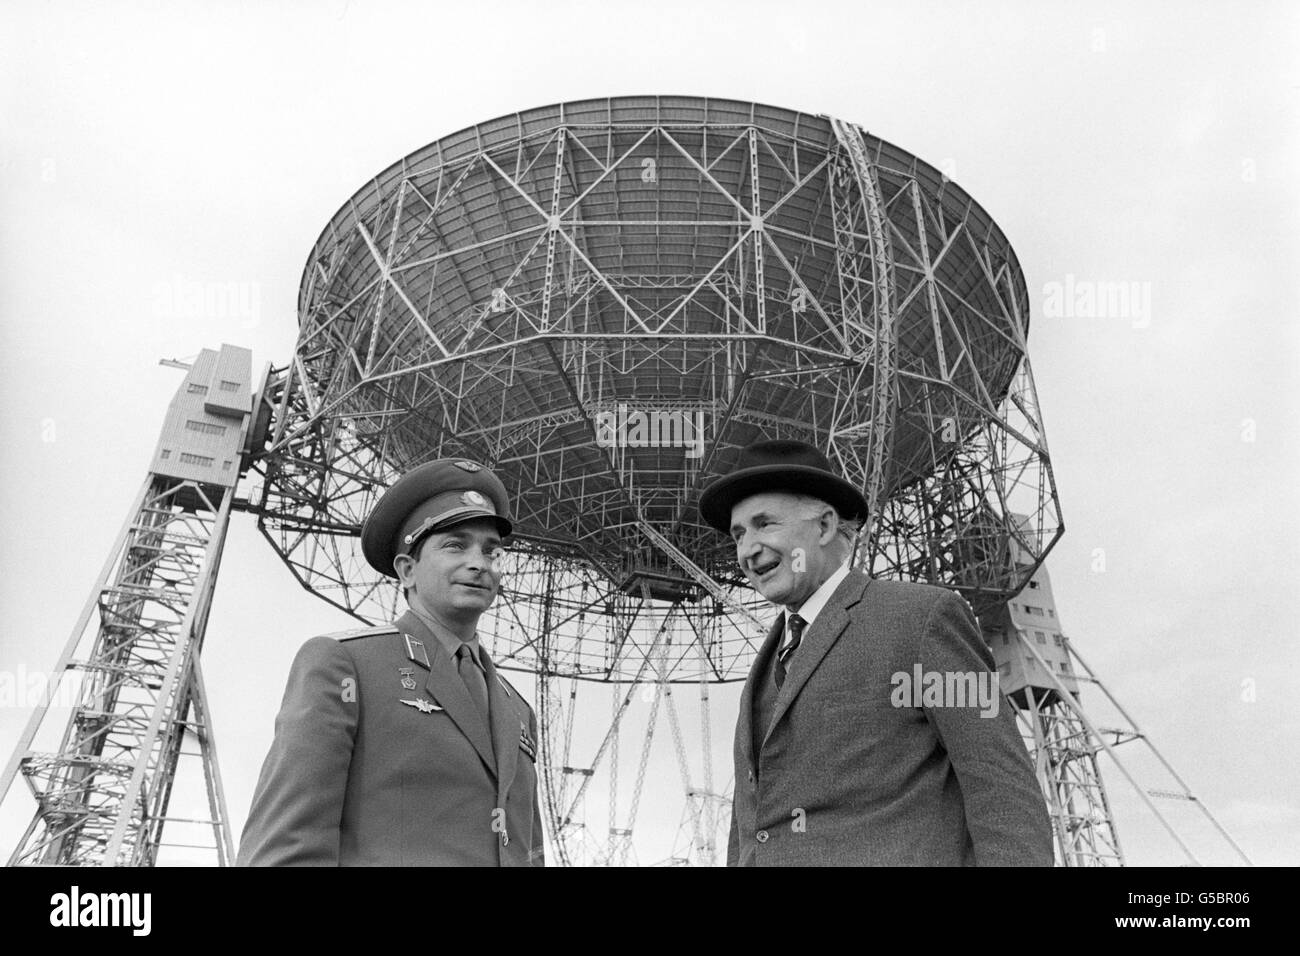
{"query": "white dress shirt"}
(817, 600)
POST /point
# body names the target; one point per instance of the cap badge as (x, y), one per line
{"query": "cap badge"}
(473, 498)
(468, 466)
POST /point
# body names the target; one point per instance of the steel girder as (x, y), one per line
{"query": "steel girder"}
(490, 299)
(102, 796)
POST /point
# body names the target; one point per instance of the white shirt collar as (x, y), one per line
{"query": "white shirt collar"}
(817, 600)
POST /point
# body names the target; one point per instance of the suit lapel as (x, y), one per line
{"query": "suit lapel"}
(448, 690)
(819, 638)
(505, 728)
(744, 747)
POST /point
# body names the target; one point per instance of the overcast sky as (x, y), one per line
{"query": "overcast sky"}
(143, 147)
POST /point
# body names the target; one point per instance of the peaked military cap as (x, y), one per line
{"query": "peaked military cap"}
(428, 498)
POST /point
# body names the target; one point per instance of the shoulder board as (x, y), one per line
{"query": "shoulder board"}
(363, 632)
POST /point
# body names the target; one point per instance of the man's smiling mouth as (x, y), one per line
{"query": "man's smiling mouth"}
(761, 570)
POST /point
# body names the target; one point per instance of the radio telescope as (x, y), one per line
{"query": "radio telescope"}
(604, 301)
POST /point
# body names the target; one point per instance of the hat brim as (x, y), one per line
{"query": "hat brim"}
(719, 498)
(459, 516)
(504, 527)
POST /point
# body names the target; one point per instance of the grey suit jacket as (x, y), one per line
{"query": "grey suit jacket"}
(844, 777)
(357, 777)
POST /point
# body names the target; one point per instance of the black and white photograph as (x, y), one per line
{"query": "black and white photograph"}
(719, 434)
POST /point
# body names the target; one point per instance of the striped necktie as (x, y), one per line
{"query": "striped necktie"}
(796, 625)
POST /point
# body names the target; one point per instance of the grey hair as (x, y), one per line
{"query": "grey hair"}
(811, 508)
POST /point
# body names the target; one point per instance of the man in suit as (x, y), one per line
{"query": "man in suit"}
(834, 766)
(403, 745)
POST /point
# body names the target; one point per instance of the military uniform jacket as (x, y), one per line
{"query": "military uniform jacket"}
(381, 758)
(840, 776)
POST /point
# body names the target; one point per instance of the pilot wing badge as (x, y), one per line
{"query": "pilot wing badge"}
(422, 705)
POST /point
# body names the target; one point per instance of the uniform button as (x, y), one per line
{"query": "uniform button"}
(505, 838)
(751, 776)
(762, 836)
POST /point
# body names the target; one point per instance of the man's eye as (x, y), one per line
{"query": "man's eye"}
(453, 544)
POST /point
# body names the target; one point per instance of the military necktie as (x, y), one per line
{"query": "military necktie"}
(472, 675)
(796, 624)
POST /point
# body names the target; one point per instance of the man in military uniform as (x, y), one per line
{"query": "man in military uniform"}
(403, 745)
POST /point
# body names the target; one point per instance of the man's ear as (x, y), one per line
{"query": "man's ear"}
(404, 565)
(828, 526)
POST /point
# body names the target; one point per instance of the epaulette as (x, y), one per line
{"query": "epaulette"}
(363, 632)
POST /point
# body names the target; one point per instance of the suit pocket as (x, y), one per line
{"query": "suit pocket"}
(845, 698)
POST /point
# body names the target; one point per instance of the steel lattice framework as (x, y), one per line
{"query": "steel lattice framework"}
(762, 272)
(781, 273)
(102, 797)
(604, 301)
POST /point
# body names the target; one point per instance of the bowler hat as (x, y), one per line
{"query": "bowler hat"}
(431, 497)
(792, 466)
